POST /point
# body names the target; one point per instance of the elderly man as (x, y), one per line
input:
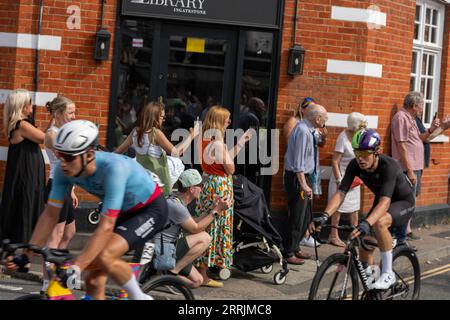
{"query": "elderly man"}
(407, 143)
(301, 164)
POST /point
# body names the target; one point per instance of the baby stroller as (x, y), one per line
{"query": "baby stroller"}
(256, 242)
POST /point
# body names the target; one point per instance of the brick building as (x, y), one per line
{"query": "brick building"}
(359, 56)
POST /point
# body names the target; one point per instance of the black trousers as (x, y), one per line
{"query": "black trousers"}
(299, 213)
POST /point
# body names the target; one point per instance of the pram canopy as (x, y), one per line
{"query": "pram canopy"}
(250, 205)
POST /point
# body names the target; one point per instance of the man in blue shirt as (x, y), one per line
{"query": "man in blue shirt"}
(301, 164)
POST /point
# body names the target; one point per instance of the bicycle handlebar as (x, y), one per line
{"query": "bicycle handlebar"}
(360, 240)
(56, 256)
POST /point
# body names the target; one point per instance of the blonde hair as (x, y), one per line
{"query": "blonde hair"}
(12, 111)
(148, 119)
(356, 121)
(215, 119)
(58, 105)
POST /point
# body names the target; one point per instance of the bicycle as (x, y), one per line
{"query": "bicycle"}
(163, 287)
(341, 271)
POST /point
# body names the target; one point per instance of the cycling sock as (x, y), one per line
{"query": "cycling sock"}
(386, 262)
(133, 289)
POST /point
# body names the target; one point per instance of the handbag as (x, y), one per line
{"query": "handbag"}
(356, 182)
(158, 166)
(164, 256)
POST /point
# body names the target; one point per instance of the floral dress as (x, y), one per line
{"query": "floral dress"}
(219, 253)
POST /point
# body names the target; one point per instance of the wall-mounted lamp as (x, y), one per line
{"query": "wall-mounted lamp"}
(102, 41)
(296, 60)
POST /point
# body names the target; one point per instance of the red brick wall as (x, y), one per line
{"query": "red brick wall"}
(71, 71)
(390, 46)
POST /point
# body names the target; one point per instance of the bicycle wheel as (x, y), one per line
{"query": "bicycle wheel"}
(32, 297)
(167, 288)
(407, 271)
(333, 281)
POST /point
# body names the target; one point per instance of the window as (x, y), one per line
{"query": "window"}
(426, 55)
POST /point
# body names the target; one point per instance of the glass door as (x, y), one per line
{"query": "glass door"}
(195, 72)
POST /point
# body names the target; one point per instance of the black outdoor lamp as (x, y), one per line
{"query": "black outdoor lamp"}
(296, 60)
(102, 41)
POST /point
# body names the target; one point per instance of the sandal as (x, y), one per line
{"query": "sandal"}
(336, 242)
(213, 284)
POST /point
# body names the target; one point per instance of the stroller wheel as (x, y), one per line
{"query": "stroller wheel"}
(267, 269)
(224, 274)
(93, 217)
(279, 278)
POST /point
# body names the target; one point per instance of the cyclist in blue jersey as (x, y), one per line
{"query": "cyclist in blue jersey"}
(134, 208)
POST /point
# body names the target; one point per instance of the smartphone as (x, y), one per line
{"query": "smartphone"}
(435, 116)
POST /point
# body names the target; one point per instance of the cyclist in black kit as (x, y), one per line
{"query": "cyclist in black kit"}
(393, 205)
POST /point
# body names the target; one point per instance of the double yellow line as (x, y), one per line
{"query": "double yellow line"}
(435, 272)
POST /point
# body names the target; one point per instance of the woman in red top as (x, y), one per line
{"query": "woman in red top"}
(217, 163)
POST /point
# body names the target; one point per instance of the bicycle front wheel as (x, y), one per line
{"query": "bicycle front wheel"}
(333, 281)
(167, 288)
(407, 272)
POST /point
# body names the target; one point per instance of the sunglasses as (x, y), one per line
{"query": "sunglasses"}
(363, 153)
(65, 157)
(306, 102)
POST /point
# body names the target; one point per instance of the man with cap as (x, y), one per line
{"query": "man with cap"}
(195, 241)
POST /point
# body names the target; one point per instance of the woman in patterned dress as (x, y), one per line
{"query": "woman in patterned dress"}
(217, 163)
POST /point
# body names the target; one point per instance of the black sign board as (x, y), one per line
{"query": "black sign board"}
(256, 13)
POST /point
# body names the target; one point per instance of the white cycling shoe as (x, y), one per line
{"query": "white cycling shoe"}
(385, 281)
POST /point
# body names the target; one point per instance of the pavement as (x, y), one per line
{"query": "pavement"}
(434, 244)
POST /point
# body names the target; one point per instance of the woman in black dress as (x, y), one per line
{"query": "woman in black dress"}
(24, 184)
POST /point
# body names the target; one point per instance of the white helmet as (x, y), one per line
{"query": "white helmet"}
(75, 137)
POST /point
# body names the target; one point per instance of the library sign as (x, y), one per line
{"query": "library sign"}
(256, 13)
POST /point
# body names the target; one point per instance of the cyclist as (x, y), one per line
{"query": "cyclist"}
(134, 208)
(393, 205)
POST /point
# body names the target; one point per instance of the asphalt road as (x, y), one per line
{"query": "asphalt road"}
(435, 283)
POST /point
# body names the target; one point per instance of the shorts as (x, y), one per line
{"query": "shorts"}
(67, 211)
(182, 249)
(141, 226)
(401, 211)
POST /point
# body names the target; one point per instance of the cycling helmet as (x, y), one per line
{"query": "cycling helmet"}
(75, 137)
(366, 139)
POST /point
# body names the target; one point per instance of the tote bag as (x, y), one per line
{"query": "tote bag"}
(158, 166)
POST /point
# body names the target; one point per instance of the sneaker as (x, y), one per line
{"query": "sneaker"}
(412, 236)
(309, 242)
(146, 297)
(385, 281)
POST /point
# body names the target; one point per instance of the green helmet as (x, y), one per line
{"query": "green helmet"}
(366, 139)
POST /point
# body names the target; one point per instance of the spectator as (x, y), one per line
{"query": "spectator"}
(426, 143)
(343, 154)
(299, 113)
(217, 163)
(24, 184)
(407, 144)
(62, 111)
(301, 164)
(148, 139)
(251, 119)
(191, 246)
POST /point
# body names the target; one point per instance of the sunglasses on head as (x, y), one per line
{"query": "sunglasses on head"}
(306, 102)
(363, 153)
(65, 157)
